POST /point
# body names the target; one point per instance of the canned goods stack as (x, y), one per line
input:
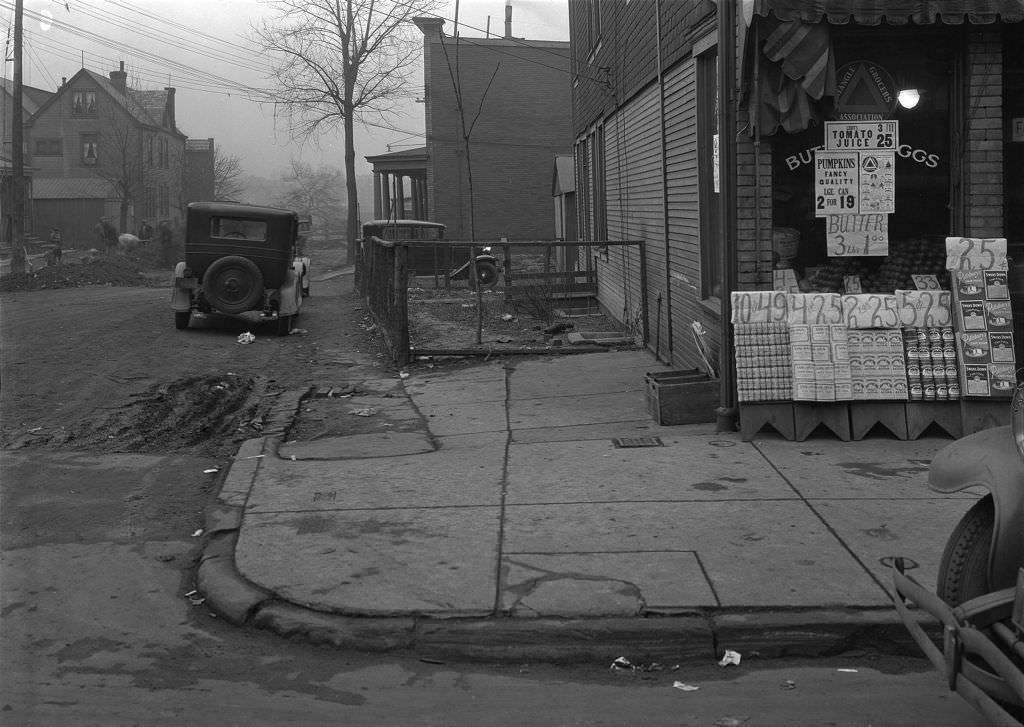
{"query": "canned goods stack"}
(931, 364)
(763, 362)
(878, 365)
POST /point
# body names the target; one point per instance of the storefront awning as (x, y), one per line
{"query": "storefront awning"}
(789, 65)
(893, 12)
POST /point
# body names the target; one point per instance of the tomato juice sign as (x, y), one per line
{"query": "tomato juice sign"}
(862, 135)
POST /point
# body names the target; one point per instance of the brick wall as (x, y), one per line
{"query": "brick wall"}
(524, 121)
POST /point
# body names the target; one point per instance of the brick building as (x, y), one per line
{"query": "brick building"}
(696, 123)
(518, 91)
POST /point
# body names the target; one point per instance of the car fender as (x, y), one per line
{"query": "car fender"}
(290, 295)
(989, 459)
(181, 297)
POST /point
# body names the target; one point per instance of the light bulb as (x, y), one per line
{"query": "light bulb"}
(909, 97)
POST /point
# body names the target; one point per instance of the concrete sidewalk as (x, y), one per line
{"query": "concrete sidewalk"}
(495, 515)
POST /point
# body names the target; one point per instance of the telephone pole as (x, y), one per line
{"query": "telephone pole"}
(16, 214)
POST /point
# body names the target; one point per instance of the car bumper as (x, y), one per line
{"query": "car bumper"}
(980, 656)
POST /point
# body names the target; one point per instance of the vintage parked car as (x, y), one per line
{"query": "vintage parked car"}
(979, 602)
(241, 261)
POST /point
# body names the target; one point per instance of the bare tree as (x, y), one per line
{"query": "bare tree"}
(339, 61)
(227, 173)
(115, 155)
(315, 192)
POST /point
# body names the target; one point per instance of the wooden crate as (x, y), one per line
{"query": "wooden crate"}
(682, 397)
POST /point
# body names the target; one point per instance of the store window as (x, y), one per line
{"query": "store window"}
(873, 67)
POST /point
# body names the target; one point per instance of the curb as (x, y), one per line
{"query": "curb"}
(691, 638)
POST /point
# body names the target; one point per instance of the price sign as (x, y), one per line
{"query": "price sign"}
(925, 308)
(870, 310)
(861, 135)
(758, 306)
(851, 284)
(836, 183)
(926, 282)
(856, 235)
(814, 308)
(970, 253)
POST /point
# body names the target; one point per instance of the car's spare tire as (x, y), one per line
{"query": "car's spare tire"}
(233, 284)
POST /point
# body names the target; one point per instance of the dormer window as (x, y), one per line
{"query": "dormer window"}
(83, 103)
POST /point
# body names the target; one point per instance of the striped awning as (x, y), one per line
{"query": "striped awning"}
(789, 64)
(893, 12)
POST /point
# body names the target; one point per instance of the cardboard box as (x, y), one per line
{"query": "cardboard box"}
(974, 347)
(997, 285)
(971, 315)
(1001, 344)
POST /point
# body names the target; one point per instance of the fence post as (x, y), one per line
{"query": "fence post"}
(400, 305)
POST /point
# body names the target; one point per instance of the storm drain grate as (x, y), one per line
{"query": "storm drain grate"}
(624, 442)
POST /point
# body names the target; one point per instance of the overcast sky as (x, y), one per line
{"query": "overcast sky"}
(175, 43)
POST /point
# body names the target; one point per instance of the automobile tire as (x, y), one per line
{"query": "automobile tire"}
(486, 274)
(182, 319)
(963, 570)
(233, 284)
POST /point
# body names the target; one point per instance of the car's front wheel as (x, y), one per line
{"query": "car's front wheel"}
(963, 570)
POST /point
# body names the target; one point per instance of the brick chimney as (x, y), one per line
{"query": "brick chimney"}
(431, 27)
(120, 79)
(508, 18)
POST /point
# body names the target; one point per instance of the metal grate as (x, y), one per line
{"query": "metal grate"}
(626, 442)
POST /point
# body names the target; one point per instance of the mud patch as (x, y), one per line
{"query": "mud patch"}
(199, 415)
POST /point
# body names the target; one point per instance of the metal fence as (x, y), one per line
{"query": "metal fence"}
(553, 270)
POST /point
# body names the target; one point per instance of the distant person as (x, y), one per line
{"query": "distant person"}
(107, 235)
(145, 232)
(56, 251)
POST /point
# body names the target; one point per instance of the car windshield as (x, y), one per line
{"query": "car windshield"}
(238, 228)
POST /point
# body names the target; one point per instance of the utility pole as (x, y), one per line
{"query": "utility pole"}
(16, 214)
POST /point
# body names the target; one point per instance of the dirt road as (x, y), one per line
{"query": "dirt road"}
(104, 368)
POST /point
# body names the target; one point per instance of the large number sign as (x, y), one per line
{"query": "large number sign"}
(970, 253)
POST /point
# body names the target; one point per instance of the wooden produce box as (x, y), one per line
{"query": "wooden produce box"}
(682, 397)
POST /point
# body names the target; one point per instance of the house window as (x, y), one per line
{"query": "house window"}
(165, 201)
(590, 184)
(90, 150)
(83, 103)
(49, 147)
(149, 150)
(708, 183)
(593, 11)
